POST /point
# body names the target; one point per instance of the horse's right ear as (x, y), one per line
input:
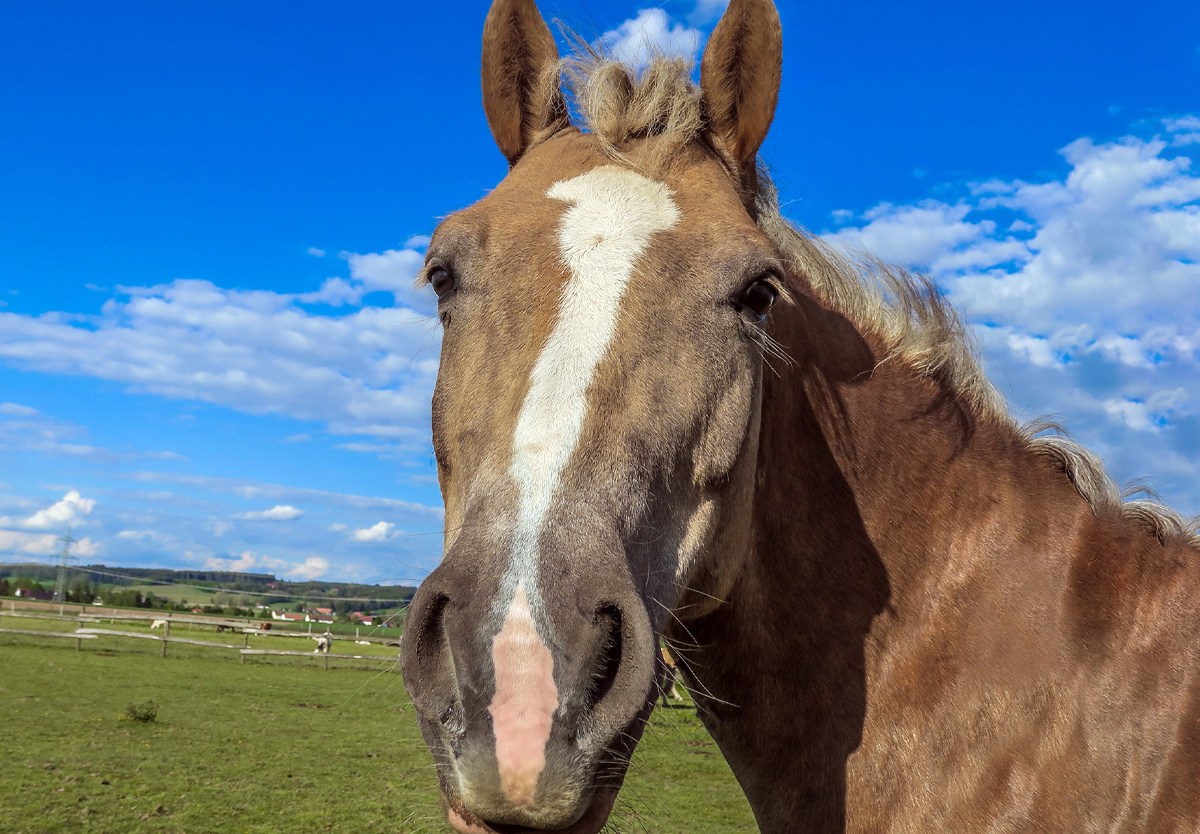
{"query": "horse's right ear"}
(739, 77)
(521, 92)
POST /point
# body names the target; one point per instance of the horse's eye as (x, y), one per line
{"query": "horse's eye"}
(442, 282)
(758, 299)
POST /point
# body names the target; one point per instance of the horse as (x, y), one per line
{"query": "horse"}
(324, 642)
(662, 410)
(668, 688)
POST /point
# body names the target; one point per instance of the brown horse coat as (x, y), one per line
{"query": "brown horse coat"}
(661, 410)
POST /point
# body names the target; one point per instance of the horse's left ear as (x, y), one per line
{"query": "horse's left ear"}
(739, 77)
(521, 92)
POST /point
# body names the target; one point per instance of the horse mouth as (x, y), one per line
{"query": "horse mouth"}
(593, 819)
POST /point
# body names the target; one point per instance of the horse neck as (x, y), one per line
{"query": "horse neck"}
(873, 474)
(867, 473)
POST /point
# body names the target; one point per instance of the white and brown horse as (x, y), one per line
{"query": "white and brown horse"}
(661, 410)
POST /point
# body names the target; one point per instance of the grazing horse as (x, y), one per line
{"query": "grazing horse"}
(662, 410)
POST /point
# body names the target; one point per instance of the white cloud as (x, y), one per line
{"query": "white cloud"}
(71, 509)
(314, 567)
(184, 520)
(21, 544)
(252, 490)
(280, 512)
(257, 352)
(315, 252)
(1149, 415)
(917, 234)
(26, 429)
(335, 292)
(393, 272)
(29, 540)
(1084, 292)
(651, 33)
(384, 451)
(382, 531)
(15, 410)
(1185, 131)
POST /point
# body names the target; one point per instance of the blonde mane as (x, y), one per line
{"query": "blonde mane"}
(905, 309)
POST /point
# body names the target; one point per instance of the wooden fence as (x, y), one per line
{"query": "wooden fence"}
(245, 627)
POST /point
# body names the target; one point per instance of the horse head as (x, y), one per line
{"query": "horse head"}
(595, 419)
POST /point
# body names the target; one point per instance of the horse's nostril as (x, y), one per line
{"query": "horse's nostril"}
(607, 662)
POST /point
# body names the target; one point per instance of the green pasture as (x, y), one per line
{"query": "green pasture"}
(269, 747)
(280, 638)
(177, 593)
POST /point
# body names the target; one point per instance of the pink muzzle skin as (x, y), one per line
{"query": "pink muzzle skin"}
(524, 703)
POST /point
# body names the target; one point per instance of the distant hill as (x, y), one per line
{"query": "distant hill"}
(260, 587)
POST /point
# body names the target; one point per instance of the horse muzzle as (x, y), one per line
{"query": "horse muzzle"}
(530, 706)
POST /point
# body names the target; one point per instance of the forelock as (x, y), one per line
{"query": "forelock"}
(619, 104)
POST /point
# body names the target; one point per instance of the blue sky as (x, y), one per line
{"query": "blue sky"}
(210, 214)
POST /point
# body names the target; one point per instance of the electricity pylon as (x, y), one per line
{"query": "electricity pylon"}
(64, 559)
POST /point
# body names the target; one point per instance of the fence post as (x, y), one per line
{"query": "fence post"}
(166, 634)
(326, 661)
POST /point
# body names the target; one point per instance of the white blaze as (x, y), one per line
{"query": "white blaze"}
(613, 213)
(611, 216)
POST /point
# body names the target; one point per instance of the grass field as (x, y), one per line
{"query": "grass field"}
(276, 748)
(264, 640)
(175, 593)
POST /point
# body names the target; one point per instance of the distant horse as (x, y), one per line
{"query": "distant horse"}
(158, 623)
(670, 677)
(662, 410)
(323, 643)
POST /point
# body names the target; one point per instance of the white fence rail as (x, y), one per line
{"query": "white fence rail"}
(164, 637)
(79, 638)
